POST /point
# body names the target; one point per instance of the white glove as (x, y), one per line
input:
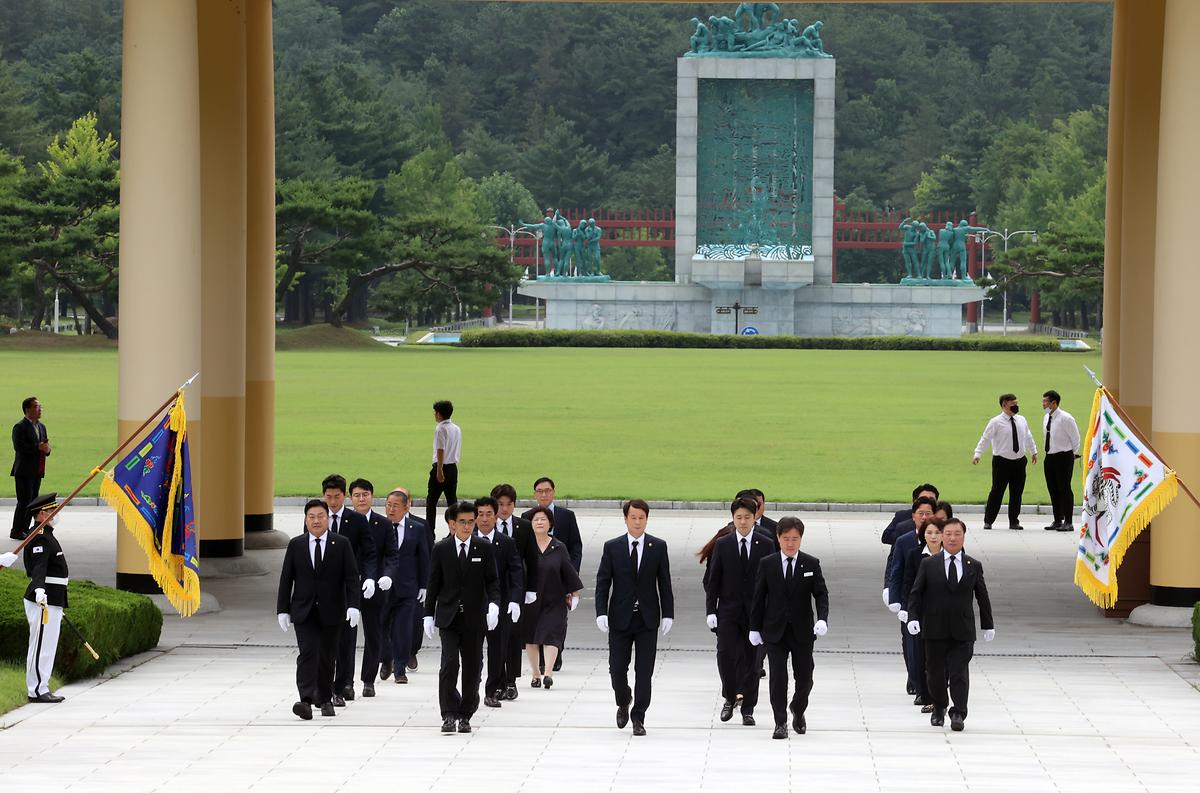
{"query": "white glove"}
(903, 615)
(368, 588)
(285, 621)
(428, 623)
(421, 597)
(820, 628)
(353, 616)
(711, 619)
(894, 608)
(602, 623)
(667, 622)
(886, 599)
(385, 583)
(914, 628)
(8, 559)
(989, 634)
(493, 616)
(574, 604)
(39, 596)
(514, 611)
(530, 597)
(756, 638)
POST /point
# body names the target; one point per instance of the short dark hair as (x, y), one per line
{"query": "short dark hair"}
(540, 511)
(541, 479)
(334, 482)
(787, 523)
(315, 502)
(444, 408)
(1006, 398)
(502, 490)
(919, 500)
(635, 503)
(944, 506)
(454, 510)
(400, 494)
(743, 503)
(1053, 396)
(919, 489)
(752, 492)
(27, 403)
(362, 484)
(486, 501)
(955, 520)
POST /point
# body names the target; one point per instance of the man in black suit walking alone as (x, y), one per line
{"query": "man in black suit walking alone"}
(410, 576)
(31, 447)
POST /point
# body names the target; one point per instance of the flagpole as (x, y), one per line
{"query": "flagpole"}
(1112, 400)
(100, 468)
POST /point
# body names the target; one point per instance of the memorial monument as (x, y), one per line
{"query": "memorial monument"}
(754, 207)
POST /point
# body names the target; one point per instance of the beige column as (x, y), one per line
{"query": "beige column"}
(222, 61)
(260, 268)
(1111, 369)
(160, 227)
(1175, 550)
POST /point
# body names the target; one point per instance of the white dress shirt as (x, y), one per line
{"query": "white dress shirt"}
(958, 563)
(339, 514)
(1064, 432)
(641, 548)
(461, 545)
(312, 547)
(748, 538)
(998, 433)
(783, 558)
(448, 437)
(506, 525)
(400, 527)
(486, 537)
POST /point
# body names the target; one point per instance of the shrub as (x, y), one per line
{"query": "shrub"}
(117, 625)
(663, 338)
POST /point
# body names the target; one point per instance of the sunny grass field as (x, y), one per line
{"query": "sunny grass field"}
(804, 425)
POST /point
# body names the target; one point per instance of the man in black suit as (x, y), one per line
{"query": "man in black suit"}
(633, 597)
(354, 527)
(409, 573)
(912, 536)
(410, 518)
(781, 617)
(522, 533)
(383, 538)
(566, 531)
(511, 575)
(318, 590)
(732, 574)
(31, 447)
(464, 602)
(939, 608)
(761, 521)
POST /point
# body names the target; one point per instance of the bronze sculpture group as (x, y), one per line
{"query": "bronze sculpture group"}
(568, 252)
(921, 244)
(748, 34)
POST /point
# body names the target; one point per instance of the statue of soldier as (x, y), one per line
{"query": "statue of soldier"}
(701, 40)
(549, 241)
(960, 245)
(722, 30)
(908, 246)
(812, 34)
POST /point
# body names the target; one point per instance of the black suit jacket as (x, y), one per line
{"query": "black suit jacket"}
(510, 570)
(330, 589)
(776, 603)
(649, 586)
(522, 533)
(945, 612)
(357, 530)
(383, 540)
(410, 569)
(730, 590)
(566, 531)
(25, 440)
(892, 530)
(467, 589)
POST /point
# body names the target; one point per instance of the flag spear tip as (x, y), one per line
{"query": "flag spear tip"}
(189, 381)
(1095, 379)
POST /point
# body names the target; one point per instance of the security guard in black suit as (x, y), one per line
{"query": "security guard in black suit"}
(31, 447)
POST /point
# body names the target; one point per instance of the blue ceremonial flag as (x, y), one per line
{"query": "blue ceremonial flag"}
(151, 490)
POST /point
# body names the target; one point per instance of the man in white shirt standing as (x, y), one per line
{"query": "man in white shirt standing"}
(1062, 442)
(447, 449)
(1010, 439)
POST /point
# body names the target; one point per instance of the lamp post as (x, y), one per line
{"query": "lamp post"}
(512, 232)
(1005, 235)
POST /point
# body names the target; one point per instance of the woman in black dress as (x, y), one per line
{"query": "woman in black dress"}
(544, 622)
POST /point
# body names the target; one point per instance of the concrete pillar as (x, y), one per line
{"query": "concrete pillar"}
(1175, 550)
(260, 268)
(160, 228)
(1111, 369)
(221, 468)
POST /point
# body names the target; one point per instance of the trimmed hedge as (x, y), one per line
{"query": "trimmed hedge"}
(117, 625)
(665, 338)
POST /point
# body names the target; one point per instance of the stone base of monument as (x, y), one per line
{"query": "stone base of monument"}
(208, 604)
(908, 281)
(266, 540)
(230, 567)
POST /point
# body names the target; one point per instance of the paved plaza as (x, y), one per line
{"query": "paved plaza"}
(1062, 700)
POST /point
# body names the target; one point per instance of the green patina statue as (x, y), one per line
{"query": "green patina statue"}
(908, 247)
(562, 228)
(928, 252)
(579, 249)
(594, 233)
(749, 35)
(960, 246)
(945, 244)
(548, 234)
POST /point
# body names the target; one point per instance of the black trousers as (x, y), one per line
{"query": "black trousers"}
(435, 490)
(27, 490)
(639, 642)
(460, 649)
(948, 657)
(372, 624)
(343, 674)
(418, 632)
(1008, 474)
(915, 658)
(514, 655)
(1059, 468)
(318, 645)
(398, 633)
(798, 642)
(737, 664)
(499, 651)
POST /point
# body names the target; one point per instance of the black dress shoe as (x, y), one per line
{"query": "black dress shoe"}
(622, 716)
(956, 722)
(1016, 527)
(339, 701)
(535, 683)
(798, 723)
(401, 678)
(328, 710)
(46, 699)
(1055, 526)
(491, 701)
(747, 720)
(547, 681)
(385, 671)
(464, 725)
(987, 526)
(348, 693)
(919, 700)
(303, 710)
(639, 728)
(448, 725)
(412, 664)
(368, 690)
(727, 710)
(780, 732)
(1066, 527)
(938, 717)
(911, 689)
(510, 693)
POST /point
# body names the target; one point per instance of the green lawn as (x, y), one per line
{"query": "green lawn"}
(13, 691)
(810, 425)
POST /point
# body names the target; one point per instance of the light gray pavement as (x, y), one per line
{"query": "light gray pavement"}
(1063, 700)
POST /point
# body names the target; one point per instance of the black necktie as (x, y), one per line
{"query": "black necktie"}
(633, 556)
(1013, 422)
(335, 522)
(789, 570)
(317, 555)
(504, 526)
(952, 574)
(395, 527)
(1049, 418)
(745, 552)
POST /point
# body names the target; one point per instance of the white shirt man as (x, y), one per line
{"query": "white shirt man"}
(1009, 436)
(447, 436)
(1061, 435)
